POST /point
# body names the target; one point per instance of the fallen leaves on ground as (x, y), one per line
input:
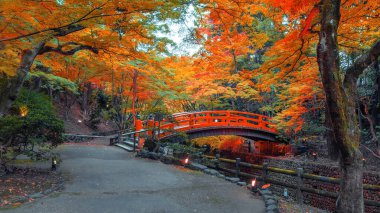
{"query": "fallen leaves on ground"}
(15, 187)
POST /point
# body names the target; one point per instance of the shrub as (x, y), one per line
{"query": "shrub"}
(31, 126)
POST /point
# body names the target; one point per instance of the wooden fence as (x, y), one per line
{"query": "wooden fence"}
(299, 174)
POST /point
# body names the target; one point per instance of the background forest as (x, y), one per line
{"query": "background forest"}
(97, 62)
(108, 58)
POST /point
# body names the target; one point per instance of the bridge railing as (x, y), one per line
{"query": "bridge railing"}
(222, 118)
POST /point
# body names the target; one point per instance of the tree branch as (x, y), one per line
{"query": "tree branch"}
(59, 49)
(60, 31)
(372, 152)
(364, 61)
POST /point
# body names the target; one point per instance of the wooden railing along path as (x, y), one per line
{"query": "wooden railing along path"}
(299, 174)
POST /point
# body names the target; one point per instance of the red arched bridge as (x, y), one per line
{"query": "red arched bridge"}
(211, 123)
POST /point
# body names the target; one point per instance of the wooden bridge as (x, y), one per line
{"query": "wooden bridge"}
(201, 124)
(211, 123)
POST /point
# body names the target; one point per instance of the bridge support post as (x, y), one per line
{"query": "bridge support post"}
(228, 115)
(208, 118)
(238, 160)
(191, 121)
(299, 184)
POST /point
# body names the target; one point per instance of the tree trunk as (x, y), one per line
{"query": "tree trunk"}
(332, 149)
(376, 101)
(351, 186)
(341, 106)
(9, 94)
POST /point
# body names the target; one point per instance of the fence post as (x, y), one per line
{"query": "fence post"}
(134, 142)
(111, 141)
(299, 183)
(265, 171)
(217, 156)
(238, 167)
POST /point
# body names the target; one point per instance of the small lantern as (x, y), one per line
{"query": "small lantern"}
(314, 154)
(53, 163)
(24, 111)
(186, 161)
(364, 161)
(253, 185)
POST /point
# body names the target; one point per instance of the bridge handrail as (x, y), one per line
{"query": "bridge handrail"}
(220, 118)
(131, 133)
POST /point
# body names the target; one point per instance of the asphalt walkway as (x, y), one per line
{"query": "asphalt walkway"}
(106, 179)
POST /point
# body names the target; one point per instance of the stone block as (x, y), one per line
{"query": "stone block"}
(35, 195)
(197, 166)
(211, 172)
(272, 208)
(233, 180)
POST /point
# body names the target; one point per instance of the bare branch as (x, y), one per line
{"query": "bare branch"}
(59, 49)
(372, 152)
(364, 61)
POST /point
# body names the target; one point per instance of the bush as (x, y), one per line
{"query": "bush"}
(177, 137)
(32, 125)
(150, 144)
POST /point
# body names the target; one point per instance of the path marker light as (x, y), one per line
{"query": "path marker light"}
(24, 111)
(53, 163)
(314, 154)
(253, 183)
(186, 160)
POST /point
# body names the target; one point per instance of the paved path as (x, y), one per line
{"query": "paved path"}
(107, 179)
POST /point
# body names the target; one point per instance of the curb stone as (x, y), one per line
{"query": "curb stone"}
(211, 172)
(270, 201)
(221, 176)
(233, 180)
(37, 195)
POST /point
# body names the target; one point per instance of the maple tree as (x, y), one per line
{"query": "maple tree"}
(291, 64)
(322, 27)
(33, 28)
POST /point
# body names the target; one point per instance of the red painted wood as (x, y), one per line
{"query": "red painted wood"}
(218, 118)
